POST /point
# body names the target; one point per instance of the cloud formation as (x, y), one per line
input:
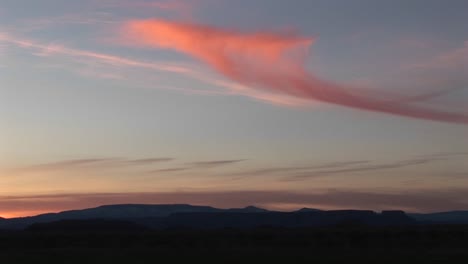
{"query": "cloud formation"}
(109, 66)
(170, 169)
(443, 155)
(148, 161)
(296, 169)
(362, 168)
(214, 163)
(93, 163)
(52, 49)
(273, 62)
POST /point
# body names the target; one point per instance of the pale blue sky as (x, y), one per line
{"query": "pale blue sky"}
(60, 105)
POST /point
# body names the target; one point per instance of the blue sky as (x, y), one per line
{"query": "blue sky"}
(80, 100)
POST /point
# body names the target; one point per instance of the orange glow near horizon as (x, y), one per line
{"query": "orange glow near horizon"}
(15, 214)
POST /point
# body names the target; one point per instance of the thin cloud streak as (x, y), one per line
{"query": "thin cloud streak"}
(92, 59)
(87, 19)
(272, 62)
(446, 154)
(170, 170)
(87, 163)
(98, 57)
(277, 170)
(371, 167)
(73, 163)
(148, 161)
(454, 60)
(215, 163)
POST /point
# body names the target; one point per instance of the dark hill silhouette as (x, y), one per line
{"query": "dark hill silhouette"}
(90, 225)
(129, 211)
(120, 211)
(451, 217)
(160, 216)
(291, 219)
(248, 209)
(92, 241)
(305, 209)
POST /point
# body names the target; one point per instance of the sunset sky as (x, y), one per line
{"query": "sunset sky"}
(329, 104)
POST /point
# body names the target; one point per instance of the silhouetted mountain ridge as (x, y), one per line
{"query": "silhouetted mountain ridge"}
(201, 217)
(120, 211)
(305, 209)
(450, 217)
(248, 209)
(88, 225)
(196, 216)
(286, 219)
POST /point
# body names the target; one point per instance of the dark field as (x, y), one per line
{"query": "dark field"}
(419, 244)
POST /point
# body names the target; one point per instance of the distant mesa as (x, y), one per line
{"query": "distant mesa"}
(393, 213)
(90, 225)
(163, 216)
(282, 219)
(120, 211)
(305, 209)
(248, 209)
(452, 217)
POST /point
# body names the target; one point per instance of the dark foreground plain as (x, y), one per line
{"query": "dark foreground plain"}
(340, 244)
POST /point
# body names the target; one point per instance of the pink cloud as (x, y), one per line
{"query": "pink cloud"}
(272, 62)
(454, 59)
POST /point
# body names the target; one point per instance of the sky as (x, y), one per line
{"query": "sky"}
(327, 104)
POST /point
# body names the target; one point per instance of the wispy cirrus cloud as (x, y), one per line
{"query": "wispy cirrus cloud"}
(446, 154)
(79, 19)
(444, 72)
(115, 162)
(73, 164)
(456, 175)
(148, 161)
(360, 168)
(170, 169)
(286, 170)
(339, 168)
(272, 62)
(214, 163)
(456, 59)
(108, 66)
(55, 49)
